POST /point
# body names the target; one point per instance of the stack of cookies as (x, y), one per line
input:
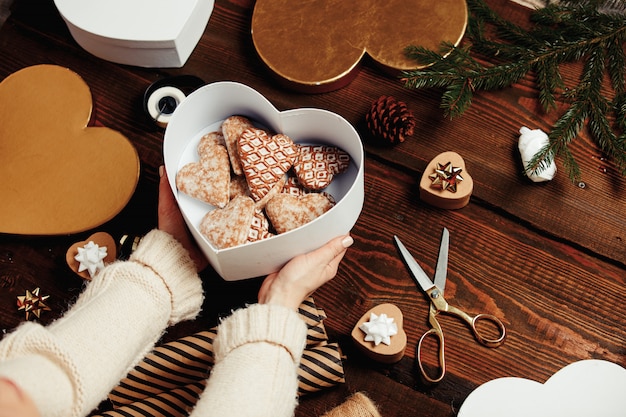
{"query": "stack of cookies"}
(260, 183)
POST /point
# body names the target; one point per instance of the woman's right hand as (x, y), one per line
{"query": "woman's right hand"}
(304, 274)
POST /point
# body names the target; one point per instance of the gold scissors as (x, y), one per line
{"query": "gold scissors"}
(438, 304)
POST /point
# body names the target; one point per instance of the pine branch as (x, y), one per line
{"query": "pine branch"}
(570, 31)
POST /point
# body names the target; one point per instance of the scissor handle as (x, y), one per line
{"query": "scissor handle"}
(442, 360)
(481, 337)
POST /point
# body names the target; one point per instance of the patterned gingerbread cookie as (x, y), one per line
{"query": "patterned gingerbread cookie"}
(293, 187)
(260, 227)
(265, 159)
(318, 164)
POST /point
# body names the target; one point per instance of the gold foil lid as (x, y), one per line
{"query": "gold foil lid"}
(57, 174)
(317, 45)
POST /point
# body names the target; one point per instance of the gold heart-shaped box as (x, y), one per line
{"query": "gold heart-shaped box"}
(57, 174)
(317, 46)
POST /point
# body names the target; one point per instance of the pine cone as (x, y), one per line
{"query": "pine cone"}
(390, 120)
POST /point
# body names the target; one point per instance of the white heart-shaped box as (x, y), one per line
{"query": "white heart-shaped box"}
(581, 389)
(144, 33)
(203, 111)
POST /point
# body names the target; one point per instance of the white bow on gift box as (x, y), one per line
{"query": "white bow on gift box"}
(144, 33)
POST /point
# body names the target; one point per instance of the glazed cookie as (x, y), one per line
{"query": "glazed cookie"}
(229, 226)
(318, 164)
(265, 159)
(207, 180)
(287, 212)
(209, 140)
(232, 128)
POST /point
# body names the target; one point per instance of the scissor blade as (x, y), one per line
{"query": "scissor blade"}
(416, 270)
(442, 261)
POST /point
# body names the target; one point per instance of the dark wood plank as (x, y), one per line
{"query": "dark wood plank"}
(537, 286)
(549, 259)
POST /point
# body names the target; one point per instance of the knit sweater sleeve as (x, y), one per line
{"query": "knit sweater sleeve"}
(69, 366)
(257, 354)
(163, 254)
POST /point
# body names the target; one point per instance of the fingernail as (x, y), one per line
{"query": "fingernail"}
(161, 170)
(347, 241)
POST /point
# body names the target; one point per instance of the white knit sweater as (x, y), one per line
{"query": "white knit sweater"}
(70, 366)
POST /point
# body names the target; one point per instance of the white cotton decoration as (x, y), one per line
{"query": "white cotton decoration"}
(530, 143)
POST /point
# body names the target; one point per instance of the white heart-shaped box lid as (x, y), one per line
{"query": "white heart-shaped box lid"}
(145, 33)
(589, 387)
(130, 20)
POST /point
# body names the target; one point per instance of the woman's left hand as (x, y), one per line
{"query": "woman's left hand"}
(171, 221)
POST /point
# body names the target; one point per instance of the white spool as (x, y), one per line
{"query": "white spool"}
(155, 104)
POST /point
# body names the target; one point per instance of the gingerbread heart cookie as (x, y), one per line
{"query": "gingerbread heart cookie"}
(229, 226)
(292, 186)
(232, 128)
(209, 179)
(316, 165)
(209, 140)
(446, 183)
(265, 159)
(287, 212)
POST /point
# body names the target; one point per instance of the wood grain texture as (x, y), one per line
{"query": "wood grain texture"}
(548, 259)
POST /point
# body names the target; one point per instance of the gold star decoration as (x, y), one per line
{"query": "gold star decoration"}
(32, 303)
(446, 177)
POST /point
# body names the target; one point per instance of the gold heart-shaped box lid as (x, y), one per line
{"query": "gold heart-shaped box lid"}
(317, 46)
(57, 174)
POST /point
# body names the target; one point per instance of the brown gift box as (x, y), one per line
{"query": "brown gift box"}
(316, 46)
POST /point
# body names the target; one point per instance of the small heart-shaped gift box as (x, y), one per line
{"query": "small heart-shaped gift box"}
(446, 183)
(101, 242)
(370, 331)
(204, 111)
(144, 33)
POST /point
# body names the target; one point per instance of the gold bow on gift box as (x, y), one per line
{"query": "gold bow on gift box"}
(171, 378)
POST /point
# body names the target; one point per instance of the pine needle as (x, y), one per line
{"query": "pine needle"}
(592, 31)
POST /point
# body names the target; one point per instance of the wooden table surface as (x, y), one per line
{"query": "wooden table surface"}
(548, 259)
